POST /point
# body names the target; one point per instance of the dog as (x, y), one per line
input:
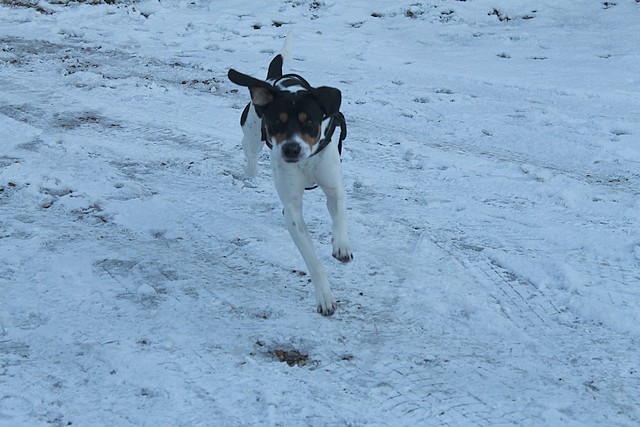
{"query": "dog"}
(300, 124)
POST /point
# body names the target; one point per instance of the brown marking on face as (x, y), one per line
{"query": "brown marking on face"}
(310, 140)
(279, 137)
(283, 117)
(302, 116)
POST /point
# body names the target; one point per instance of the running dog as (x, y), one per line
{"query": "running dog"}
(299, 122)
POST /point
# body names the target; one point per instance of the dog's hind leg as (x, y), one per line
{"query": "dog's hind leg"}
(251, 150)
(251, 141)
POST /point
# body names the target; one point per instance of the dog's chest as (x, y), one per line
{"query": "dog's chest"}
(304, 172)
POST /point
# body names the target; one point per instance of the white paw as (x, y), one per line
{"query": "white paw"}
(326, 304)
(250, 170)
(342, 251)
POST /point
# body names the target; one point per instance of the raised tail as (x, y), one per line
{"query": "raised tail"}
(287, 47)
(275, 67)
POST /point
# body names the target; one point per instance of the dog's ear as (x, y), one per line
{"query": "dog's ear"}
(262, 92)
(245, 80)
(261, 96)
(275, 68)
(330, 98)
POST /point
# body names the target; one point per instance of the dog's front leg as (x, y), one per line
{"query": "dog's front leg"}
(292, 200)
(329, 177)
(300, 235)
(337, 207)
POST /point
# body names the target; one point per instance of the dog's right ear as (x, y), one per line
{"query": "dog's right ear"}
(330, 98)
(262, 93)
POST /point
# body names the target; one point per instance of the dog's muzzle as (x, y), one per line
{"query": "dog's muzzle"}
(291, 152)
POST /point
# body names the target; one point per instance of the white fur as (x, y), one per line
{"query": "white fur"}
(291, 179)
(252, 142)
(287, 47)
(293, 88)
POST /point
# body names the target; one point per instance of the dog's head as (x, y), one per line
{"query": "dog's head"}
(292, 112)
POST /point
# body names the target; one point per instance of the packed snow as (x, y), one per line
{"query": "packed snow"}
(492, 170)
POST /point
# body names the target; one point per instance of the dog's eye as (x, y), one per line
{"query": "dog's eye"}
(310, 128)
(278, 126)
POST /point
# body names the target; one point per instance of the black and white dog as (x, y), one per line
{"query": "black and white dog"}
(299, 122)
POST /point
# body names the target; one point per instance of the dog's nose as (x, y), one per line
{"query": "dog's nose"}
(291, 151)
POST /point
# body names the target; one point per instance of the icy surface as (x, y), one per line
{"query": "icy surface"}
(493, 176)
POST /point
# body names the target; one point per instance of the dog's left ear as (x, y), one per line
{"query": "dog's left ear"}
(262, 92)
(330, 98)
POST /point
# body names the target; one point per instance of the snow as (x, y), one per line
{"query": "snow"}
(492, 170)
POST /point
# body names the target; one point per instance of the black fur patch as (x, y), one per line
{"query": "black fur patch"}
(275, 68)
(245, 114)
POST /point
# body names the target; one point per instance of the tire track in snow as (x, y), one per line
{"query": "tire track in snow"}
(520, 299)
(420, 400)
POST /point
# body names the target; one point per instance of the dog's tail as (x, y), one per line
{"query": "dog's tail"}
(275, 67)
(287, 47)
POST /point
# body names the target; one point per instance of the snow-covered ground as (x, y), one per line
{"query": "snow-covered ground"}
(493, 175)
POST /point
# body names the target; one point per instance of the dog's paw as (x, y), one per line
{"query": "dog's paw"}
(343, 254)
(327, 310)
(326, 304)
(250, 170)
